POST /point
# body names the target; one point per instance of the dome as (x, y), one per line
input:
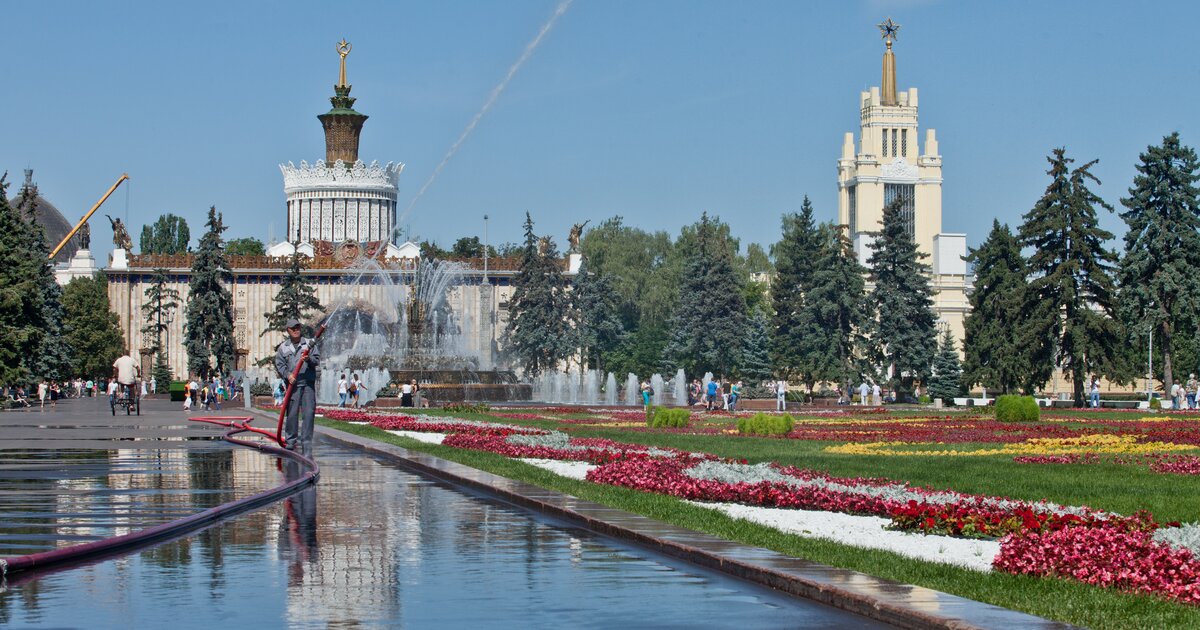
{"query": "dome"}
(53, 222)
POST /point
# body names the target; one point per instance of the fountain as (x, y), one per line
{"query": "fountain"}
(633, 395)
(415, 331)
(610, 389)
(681, 397)
(591, 388)
(656, 385)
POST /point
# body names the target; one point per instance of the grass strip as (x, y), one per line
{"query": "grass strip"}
(1059, 600)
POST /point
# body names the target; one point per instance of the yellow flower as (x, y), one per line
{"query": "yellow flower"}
(1092, 443)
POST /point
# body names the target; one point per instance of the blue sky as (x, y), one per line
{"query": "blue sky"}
(653, 110)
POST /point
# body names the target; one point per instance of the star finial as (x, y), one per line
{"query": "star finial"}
(890, 30)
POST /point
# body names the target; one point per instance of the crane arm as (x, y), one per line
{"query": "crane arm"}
(123, 177)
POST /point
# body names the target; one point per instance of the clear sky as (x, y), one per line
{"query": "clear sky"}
(653, 110)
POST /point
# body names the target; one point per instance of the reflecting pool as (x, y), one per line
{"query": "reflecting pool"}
(371, 545)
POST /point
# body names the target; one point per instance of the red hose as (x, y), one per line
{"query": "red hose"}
(99, 549)
(291, 384)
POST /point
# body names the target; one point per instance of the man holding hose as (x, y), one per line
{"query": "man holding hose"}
(302, 406)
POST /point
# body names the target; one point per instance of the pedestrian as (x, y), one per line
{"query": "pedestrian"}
(55, 394)
(1192, 385)
(876, 395)
(278, 392)
(647, 392)
(218, 390)
(863, 391)
(43, 390)
(90, 388)
(356, 389)
(1174, 395)
(153, 385)
(297, 360)
(781, 395)
(193, 391)
(343, 390)
(406, 394)
(1095, 394)
(735, 394)
(112, 392)
(710, 395)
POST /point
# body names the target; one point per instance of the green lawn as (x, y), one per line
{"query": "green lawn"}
(1111, 487)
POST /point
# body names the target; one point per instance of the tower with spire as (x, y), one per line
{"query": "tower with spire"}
(339, 200)
(889, 163)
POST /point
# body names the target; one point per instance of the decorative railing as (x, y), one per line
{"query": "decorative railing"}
(184, 261)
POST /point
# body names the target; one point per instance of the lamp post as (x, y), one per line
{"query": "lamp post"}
(485, 248)
(168, 319)
(1150, 359)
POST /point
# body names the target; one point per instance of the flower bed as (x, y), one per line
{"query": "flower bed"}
(1111, 556)
(555, 445)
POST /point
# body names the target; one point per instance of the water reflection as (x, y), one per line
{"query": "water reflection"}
(374, 545)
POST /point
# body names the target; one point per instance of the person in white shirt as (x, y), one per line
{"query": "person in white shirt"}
(864, 390)
(406, 394)
(781, 395)
(358, 390)
(125, 371)
(153, 386)
(876, 395)
(343, 390)
(42, 389)
(112, 392)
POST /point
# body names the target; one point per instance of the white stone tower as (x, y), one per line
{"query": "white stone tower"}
(890, 163)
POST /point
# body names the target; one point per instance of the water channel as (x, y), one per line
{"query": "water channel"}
(371, 545)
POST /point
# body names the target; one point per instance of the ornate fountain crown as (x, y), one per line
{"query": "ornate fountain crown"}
(374, 176)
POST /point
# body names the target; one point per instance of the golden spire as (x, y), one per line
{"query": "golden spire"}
(343, 49)
(890, 30)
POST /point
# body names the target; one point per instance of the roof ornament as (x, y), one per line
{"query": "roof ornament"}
(343, 49)
(889, 30)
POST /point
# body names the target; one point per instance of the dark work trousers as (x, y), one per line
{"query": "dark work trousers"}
(302, 406)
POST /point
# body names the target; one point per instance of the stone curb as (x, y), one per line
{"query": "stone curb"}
(902, 605)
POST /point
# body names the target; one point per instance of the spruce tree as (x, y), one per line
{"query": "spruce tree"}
(208, 330)
(906, 332)
(51, 357)
(296, 298)
(539, 333)
(20, 295)
(795, 254)
(160, 300)
(91, 329)
(708, 328)
(946, 381)
(1158, 273)
(995, 354)
(836, 312)
(1071, 290)
(597, 324)
(755, 364)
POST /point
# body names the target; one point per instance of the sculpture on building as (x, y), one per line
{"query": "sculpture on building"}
(120, 234)
(85, 237)
(573, 237)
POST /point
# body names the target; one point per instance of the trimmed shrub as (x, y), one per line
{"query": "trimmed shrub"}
(467, 407)
(1156, 404)
(664, 418)
(1013, 408)
(260, 388)
(763, 424)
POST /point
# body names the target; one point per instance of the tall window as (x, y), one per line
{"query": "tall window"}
(853, 194)
(885, 145)
(904, 142)
(906, 193)
(895, 145)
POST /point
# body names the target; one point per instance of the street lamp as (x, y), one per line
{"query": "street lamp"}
(1150, 359)
(168, 319)
(485, 248)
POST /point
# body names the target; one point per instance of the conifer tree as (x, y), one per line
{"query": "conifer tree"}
(995, 354)
(836, 311)
(708, 328)
(92, 330)
(795, 254)
(160, 301)
(51, 357)
(208, 329)
(20, 296)
(597, 324)
(1071, 290)
(296, 298)
(946, 381)
(539, 333)
(755, 364)
(906, 332)
(1159, 274)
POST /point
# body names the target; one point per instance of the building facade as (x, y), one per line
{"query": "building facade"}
(889, 162)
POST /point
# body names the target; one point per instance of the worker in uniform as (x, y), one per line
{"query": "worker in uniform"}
(302, 406)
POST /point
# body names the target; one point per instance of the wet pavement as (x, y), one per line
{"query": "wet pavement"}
(372, 544)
